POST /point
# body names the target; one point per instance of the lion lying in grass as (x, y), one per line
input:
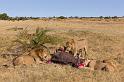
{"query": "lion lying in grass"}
(105, 65)
(23, 60)
(36, 55)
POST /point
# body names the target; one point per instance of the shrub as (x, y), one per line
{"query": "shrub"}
(4, 16)
(62, 17)
(37, 40)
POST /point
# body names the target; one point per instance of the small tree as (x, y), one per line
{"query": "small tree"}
(62, 17)
(38, 40)
(101, 17)
(114, 17)
(4, 16)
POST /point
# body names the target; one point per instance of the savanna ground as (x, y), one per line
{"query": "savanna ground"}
(105, 41)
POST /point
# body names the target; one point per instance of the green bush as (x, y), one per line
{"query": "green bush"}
(37, 40)
(62, 17)
(4, 16)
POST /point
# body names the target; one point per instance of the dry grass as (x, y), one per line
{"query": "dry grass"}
(105, 41)
(55, 73)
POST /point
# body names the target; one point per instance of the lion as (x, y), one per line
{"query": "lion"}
(70, 47)
(105, 65)
(81, 48)
(77, 47)
(111, 65)
(23, 60)
(35, 56)
(40, 55)
(91, 64)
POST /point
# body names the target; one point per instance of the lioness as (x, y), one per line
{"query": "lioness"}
(78, 47)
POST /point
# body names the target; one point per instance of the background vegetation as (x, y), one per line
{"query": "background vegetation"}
(4, 16)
